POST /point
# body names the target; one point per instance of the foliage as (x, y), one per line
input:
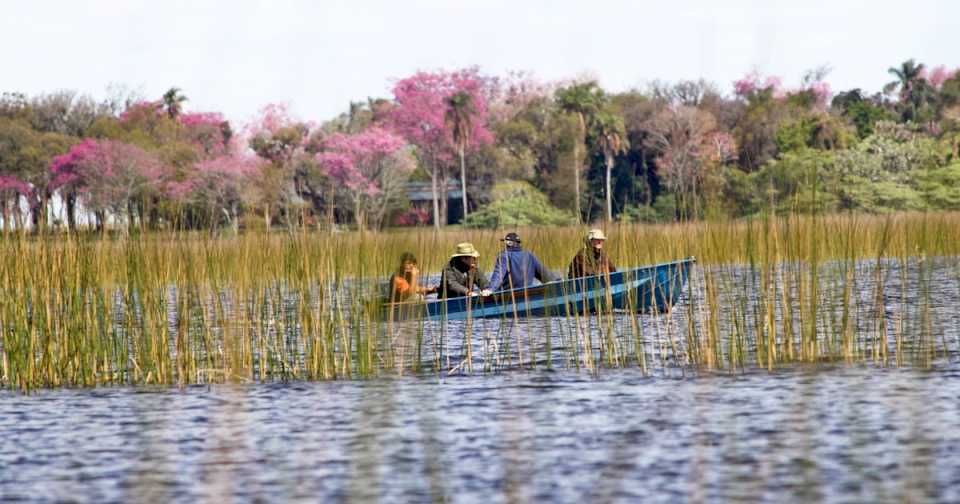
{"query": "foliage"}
(422, 114)
(215, 187)
(863, 112)
(683, 139)
(583, 100)
(517, 204)
(372, 166)
(668, 150)
(940, 187)
(797, 181)
(111, 175)
(816, 130)
(664, 212)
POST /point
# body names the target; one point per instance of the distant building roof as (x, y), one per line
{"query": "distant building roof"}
(420, 191)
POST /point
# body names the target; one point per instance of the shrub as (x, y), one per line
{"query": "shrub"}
(517, 204)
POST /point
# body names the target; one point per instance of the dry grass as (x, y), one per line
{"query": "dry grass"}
(81, 310)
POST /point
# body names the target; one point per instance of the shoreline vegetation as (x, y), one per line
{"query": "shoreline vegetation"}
(486, 151)
(87, 309)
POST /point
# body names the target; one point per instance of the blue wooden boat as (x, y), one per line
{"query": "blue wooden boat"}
(653, 288)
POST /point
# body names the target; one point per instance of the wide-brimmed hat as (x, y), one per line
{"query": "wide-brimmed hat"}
(465, 249)
(596, 234)
(511, 237)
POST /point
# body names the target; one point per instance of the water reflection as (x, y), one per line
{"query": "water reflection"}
(847, 434)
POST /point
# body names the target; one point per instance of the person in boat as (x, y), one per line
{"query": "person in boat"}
(404, 285)
(592, 259)
(460, 276)
(516, 268)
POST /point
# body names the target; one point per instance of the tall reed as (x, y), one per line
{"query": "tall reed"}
(88, 310)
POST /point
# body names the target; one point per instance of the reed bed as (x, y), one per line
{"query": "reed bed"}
(180, 308)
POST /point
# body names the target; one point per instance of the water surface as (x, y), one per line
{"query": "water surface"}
(838, 433)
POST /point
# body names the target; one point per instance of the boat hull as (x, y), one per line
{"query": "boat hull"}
(653, 288)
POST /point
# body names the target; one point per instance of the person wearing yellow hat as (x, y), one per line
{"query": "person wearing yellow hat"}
(591, 259)
(460, 275)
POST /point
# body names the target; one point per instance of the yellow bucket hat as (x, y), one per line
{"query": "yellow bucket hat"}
(465, 249)
(596, 234)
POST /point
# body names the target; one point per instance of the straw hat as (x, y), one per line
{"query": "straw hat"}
(465, 249)
(596, 234)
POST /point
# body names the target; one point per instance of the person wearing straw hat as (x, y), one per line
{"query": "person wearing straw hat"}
(516, 268)
(592, 259)
(461, 275)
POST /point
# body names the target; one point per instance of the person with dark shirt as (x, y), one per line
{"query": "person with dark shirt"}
(516, 268)
(591, 260)
(461, 275)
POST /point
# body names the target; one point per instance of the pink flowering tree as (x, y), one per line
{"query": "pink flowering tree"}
(108, 177)
(371, 168)
(208, 132)
(215, 188)
(516, 92)
(442, 114)
(65, 177)
(280, 140)
(753, 85)
(939, 75)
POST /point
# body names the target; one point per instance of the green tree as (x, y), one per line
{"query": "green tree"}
(173, 101)
(517, 203)
(882, 173)
(862, 111)
(25, 156)
(610, 141)
(459, 120)
(913, 89)
(940, 187)
(583, 100)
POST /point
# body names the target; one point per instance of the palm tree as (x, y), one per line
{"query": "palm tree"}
(584, 100)
(908, 78)
(459, 119)
(173, 101)
(611, 140)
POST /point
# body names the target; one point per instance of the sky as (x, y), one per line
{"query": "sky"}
(316, 56)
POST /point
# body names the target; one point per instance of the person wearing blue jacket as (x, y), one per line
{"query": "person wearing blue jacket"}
(516, 268)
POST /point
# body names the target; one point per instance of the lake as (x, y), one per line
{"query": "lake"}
(836, 433)
(831, 430)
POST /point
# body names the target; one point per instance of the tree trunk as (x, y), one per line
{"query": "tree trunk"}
(6, 216)
(609, 194)
(444, 198)
(266, 215)
(331, 197)
(17, 214)
(463, 181)
(130, 218)
(436, 200)
(71, 203)
(358, 212)
(36, 218)
(576, 180)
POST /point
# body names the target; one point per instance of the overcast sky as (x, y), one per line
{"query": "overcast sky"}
(236, 56)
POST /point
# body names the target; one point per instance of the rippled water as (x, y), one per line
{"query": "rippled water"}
(504, 433)
(845, 434)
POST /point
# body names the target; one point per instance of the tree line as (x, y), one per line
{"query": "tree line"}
(520, 151)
